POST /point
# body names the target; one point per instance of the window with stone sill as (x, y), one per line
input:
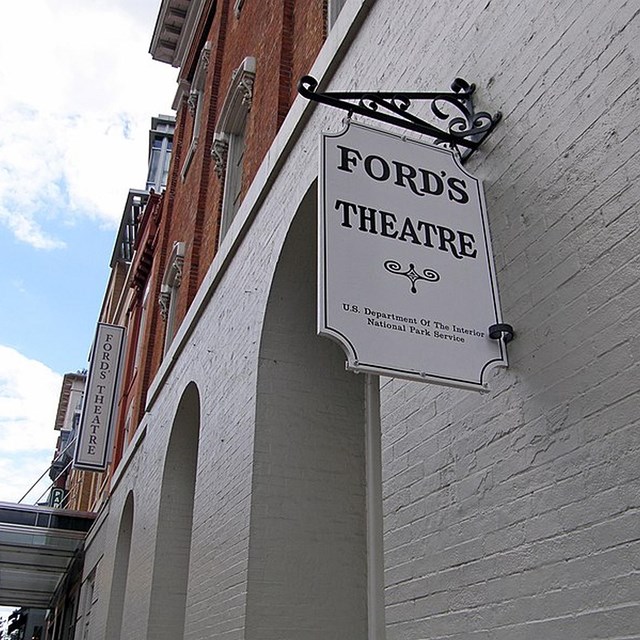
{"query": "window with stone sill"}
(195, 104)
(229, 140)
(169, 292)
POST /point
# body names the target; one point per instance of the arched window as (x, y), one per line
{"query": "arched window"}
(229, 139)
(169, 291)
(195, 103)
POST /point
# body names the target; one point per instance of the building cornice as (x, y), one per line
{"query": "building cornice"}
(174, 30)
(65, 395)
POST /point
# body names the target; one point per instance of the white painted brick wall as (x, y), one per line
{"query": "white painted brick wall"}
(515, 514)
(307, 560)
(507, 515)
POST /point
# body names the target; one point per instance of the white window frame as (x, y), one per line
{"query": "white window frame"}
(333, 10)
(229, 139)
(168, 291)
(195, 104)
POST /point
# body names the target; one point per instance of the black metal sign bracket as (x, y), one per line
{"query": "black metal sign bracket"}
(502, 331)
(464, 132)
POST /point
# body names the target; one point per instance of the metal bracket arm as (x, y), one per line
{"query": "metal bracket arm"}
(467, 130)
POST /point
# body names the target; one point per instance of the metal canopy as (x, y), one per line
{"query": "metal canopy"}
(37, 545)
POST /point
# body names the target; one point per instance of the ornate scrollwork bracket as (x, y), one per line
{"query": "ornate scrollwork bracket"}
(192, 102)
(465, 131)
(164, 300)
(172, 279)
(220, 151)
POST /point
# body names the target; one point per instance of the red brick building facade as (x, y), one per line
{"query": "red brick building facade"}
(280, 39)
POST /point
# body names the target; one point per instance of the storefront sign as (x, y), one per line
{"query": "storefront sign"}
(406, 276)
(100, 400)
(56, 497)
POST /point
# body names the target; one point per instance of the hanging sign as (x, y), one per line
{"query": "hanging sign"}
(93, 441)
(56, 497)
(406, 276)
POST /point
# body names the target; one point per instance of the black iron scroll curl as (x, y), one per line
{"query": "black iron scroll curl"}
(468, 129)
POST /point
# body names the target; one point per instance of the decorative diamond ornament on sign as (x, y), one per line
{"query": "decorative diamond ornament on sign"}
(406, 277)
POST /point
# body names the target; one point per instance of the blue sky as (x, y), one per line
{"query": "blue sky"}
(55, 294)
(78, 89)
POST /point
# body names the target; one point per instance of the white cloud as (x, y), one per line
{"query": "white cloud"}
(29, 393)
(78, 90)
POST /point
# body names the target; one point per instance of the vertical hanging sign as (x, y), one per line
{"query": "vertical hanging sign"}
(100, 400)
(406, 277)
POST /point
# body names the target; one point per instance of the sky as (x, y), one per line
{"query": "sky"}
(78, 89)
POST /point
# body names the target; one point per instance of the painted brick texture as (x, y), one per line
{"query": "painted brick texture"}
(515, 515)
(507, 515)
(307, 557)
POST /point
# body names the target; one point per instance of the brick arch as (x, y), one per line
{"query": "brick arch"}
(307, 551)
(175, 522)
(120, 571)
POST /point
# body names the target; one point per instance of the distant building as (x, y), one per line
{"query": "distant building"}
(160, 144)
(26, 623)
(67, 420)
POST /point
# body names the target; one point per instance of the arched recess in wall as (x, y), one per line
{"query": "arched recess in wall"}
(175, 522)
(120, 572)
(307, 551)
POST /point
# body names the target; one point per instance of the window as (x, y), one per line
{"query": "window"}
(168, 291)
(333, 10)
(195, 103)
(229, 139)
(159, 158)
(144, 312)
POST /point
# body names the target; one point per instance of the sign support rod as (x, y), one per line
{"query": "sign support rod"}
(375, 551)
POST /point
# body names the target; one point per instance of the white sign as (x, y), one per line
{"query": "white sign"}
(100, 400)
(406, 276)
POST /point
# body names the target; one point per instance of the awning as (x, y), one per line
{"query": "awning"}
(37, 545)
